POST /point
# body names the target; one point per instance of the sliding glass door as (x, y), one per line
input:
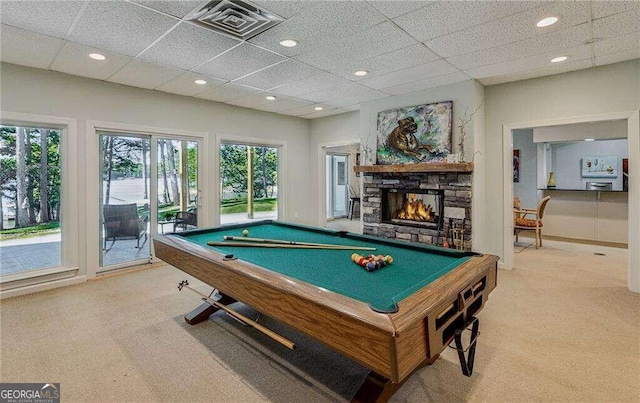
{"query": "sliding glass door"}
(249, 183)
(132, 206)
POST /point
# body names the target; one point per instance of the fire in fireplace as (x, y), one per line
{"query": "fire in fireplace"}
(415, 207)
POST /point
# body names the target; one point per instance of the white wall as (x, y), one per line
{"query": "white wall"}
(36, 91)
(607, 89)
(614, 129)
(526, 189)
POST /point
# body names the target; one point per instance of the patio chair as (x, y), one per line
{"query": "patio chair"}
(184, 219)
(121, 221)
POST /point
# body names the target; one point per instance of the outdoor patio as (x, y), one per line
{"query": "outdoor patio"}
(40, 252)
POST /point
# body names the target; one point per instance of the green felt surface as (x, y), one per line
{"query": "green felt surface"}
(411, 270)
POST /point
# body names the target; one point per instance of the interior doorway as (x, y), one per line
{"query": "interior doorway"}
(632, 123)
(340, 186)
(337, 186)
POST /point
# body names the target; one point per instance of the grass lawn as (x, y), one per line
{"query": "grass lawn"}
(40, 229)
(241, 206)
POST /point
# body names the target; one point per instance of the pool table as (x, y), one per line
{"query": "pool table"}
(393, 320)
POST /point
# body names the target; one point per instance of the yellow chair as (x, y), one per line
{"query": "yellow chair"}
(522, 223)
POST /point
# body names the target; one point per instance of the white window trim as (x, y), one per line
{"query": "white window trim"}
(70, 271)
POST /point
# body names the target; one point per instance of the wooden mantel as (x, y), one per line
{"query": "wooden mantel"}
(423, 167)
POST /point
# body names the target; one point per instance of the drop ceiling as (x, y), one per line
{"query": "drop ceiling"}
(405, 46)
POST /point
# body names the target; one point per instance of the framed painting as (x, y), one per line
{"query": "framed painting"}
(516, 165)
(594, 166)
(415, 134)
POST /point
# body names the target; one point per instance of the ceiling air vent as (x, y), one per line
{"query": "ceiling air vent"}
(235, 18)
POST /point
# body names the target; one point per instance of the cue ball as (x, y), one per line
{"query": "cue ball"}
(245, 232)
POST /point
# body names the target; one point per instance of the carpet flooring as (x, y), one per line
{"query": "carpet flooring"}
(562, 326)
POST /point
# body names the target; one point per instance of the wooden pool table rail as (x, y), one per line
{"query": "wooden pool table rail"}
(392, 345)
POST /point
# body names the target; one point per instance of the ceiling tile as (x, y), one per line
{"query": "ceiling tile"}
(618, 57)
(74, 59)
(409, 75)
(144, 75)
(375, 41)
(510, 29)
(566, 38)
(616, 25)
(27, 48)
(531, 62)
(446, 17)
(324, 113)
(343, 91)
(185, 84)
(275, 76)
(239, 61)
(356, 99)
(283, 104)
(397, 60)
(607, 8)
(252, 100)
(119, 27)
(545, 71)
(393, 9)
(315, 25)
(617, 44)
(285, 9)
(307, 109)
(188, 46)
(311, 84)
(176, 8)
(227, 92)
(428, 83)
(53, 18)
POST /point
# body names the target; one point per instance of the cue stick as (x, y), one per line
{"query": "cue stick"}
(283, 242)
(289, 246)
(237, 315)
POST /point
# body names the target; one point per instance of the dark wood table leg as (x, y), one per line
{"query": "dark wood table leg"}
(205, 310)
(376, 388)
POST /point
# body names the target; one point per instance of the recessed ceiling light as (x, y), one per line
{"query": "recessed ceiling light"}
(589, 139)
(559, 59)
(270, 97)
(288, 43)
(361, 73)
(97, 56)
(200, 82)
(318, 108)
(545, 22)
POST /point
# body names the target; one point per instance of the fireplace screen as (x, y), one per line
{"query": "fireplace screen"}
(421, 208)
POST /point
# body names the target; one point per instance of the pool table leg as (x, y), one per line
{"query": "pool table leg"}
(202, 313)
(376, 388)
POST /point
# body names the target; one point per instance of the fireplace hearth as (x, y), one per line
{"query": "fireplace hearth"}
(422, 208)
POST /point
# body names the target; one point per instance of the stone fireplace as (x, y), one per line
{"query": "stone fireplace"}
(414, 202)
